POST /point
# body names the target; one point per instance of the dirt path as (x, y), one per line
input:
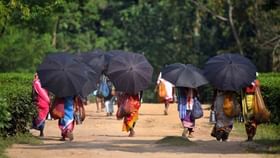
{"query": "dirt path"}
(101, 136)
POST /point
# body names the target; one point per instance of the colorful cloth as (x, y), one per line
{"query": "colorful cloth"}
(66, 124)
(130, 120)
(42, 103)
(247, 109)
(184, 107)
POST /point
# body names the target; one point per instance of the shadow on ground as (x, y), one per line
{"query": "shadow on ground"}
(169, 144)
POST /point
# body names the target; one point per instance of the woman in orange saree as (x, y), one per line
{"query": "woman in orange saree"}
(131, 102)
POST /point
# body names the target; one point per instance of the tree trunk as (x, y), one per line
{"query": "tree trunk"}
(233, 28)
(197, 24)
(276, 57)
(56, 24)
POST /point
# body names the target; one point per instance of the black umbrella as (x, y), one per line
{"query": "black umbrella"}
(62, 75)
(183, 75)
(91, 83)
(230, 71)
(130, 72)
(95, 60)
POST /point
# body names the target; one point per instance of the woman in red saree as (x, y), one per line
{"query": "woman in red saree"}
(128, 107)
(42, 102)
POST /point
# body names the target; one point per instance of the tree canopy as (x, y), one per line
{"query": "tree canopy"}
(165, 31)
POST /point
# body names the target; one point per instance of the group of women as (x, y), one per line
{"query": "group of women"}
(242, 105)
(69, 110)
(186, 98)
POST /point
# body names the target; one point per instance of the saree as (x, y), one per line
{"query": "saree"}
(66, 124)
(185, 105)
(130, 120)
(224, 123)
(42, 105)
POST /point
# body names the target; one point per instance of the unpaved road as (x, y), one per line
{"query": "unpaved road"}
(101, 137)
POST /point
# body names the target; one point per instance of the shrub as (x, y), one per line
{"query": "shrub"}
(270, 87)
(16, 104)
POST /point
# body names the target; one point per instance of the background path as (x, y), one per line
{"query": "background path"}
(101, 137)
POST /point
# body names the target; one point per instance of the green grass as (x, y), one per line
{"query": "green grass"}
(19, 139)
(175, 141)
(268, 135)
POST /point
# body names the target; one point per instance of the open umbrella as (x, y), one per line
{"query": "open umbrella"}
(230, 71)
(95, 60)
(130, 72)
(62, 75)
(184, 75)
(91, 83)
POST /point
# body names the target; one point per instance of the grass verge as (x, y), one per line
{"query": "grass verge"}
(18, 139)
(267, 135)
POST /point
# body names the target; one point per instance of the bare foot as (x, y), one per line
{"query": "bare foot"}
(132, 133)
(62, 139)
(165, 112)
(70, 136)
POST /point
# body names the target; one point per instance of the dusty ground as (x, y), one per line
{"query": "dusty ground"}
(100, 136)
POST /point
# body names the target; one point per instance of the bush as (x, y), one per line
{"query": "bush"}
(15, 103)
(270, 87)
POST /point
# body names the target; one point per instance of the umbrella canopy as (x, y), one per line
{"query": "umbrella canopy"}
(130, 72)
(184, 75)
(230, 71)
(62, 75)
(95, 60)
(91, 83)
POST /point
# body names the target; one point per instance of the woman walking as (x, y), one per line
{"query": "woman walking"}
(186, 99)
(169, 93)
(131, 102)
(66, 123)
(42, 101)
(224, 123)
(252, 118)
(109, 100)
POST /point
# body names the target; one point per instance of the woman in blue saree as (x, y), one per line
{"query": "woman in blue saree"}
(66, 123)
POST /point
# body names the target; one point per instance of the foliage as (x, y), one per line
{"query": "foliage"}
(270, 87)
(15, 91)
(165, 31)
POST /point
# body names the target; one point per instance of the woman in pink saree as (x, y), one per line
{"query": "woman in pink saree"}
(42, 102)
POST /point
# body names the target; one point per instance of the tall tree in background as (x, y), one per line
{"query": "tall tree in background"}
(165, 31)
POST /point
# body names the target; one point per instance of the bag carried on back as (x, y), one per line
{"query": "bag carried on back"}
(161, 90)
(103, 89)
(57, 108)
(127, 104)
(231, 108)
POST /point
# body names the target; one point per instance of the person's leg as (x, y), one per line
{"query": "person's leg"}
(226, 132)
(190, 130)
(166, 106)
(250, 130)
(41, 128)
(184, 133)
(131, 130)
(107, 108)
(111, 108)
(213, 132)
(97, 100)
(102, 101)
